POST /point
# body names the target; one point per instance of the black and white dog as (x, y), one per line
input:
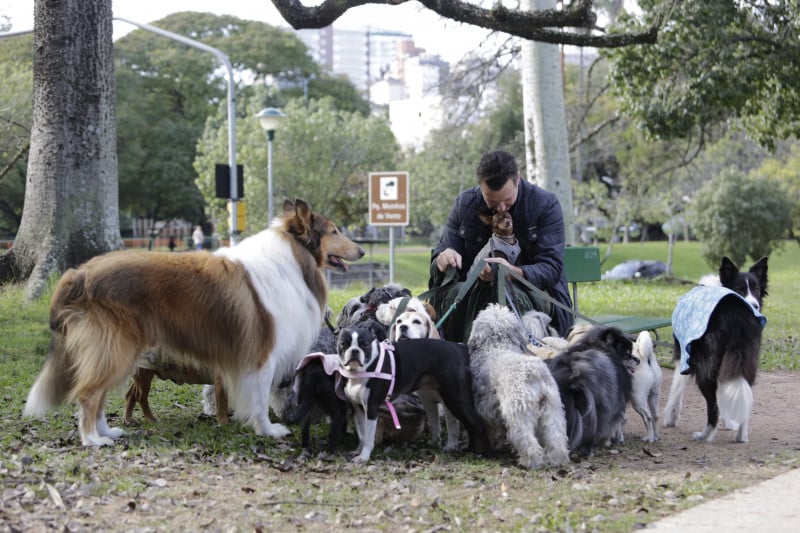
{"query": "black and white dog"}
(717, 334)
(594, 379)
(377, 372)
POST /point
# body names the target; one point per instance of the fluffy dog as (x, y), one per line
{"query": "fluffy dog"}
(379, 372)
(514, 392)
(241, 312)
(545, 342)
(595, 384)
(717, 339)
(646, 385)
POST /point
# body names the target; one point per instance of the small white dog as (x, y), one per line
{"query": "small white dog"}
(646, 384)
(514, 392)
(419, 325)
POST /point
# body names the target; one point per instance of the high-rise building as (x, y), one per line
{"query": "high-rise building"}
(390, 70)
(364, 56)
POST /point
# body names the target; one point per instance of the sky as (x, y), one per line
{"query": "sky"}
(449, 39)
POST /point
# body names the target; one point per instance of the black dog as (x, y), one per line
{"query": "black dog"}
(717, 332)
(376, 375)
(594, 380)
(314, 387)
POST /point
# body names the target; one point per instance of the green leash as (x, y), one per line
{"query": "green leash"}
(451, 275)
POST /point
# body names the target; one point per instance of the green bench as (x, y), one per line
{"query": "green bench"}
(581, 264)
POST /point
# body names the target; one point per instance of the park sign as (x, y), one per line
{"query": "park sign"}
(388, 198)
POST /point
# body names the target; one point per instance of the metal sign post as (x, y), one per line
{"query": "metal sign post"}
(389, 205)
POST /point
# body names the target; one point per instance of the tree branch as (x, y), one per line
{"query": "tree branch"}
(533, 25)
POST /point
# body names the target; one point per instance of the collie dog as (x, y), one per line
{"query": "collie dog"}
(242, 313)
(717, 332)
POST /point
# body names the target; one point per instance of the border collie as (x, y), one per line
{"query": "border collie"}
(717, 333)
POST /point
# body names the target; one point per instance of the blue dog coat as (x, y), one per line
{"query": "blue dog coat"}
(691, 314)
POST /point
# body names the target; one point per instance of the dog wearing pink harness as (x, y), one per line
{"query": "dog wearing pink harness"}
(377, 372)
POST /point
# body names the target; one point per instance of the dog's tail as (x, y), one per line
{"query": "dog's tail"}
(735, 400)
(56, 378)
(581, 413)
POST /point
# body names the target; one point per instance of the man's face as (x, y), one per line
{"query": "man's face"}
(503, 199)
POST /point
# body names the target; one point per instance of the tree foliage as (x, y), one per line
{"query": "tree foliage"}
(166, 90)
(16, 86)
(715, 60)
(740, 216)
(320, 153)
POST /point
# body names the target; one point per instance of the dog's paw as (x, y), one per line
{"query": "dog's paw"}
(97, 441)
(707, 435)
(451, 447)
(113, 433)
(361, 458)
(670, 419)
(275, 431)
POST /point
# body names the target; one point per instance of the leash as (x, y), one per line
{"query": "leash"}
(385, 347)
(450, 275)
(503, 287)
(400, 309)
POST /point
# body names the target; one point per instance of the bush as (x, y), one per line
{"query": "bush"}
(739, 216)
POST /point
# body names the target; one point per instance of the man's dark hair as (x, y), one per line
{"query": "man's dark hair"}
(496, 168)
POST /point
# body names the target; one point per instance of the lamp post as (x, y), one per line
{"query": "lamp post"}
(270, 118)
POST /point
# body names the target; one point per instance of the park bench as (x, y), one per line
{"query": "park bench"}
(582, 264)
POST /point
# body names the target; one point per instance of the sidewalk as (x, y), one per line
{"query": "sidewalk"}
(772, 506)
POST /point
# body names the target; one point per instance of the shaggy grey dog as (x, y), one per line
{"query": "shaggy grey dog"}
(514, 392)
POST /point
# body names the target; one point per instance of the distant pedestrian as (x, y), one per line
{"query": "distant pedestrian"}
(198, 237)
(172, 244)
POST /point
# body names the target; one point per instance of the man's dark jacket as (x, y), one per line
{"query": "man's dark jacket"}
(539, 228)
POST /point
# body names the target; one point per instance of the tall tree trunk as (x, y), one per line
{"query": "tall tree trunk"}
(71, 208)
(546, 139)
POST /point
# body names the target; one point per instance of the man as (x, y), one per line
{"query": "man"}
(539, 228)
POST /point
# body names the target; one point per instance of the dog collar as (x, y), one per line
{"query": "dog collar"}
(384, 348)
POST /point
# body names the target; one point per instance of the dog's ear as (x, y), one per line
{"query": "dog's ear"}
(430, 310)
(433, 333)
(760, 270)
(727, 270)
(378, 330)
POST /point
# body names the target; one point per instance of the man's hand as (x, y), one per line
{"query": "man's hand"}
(486, 273)
(448, 258)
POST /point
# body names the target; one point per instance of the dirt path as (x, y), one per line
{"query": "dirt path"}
(774, 428)
(146, 490)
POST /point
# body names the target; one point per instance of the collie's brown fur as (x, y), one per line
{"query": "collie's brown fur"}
(213, 311)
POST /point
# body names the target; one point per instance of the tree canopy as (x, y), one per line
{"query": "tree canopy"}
(716, 60)
(321, 154)
(166, 91)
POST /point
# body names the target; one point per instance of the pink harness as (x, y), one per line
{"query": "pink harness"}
(385, 347)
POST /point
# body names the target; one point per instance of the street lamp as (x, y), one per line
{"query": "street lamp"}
(270, 118)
